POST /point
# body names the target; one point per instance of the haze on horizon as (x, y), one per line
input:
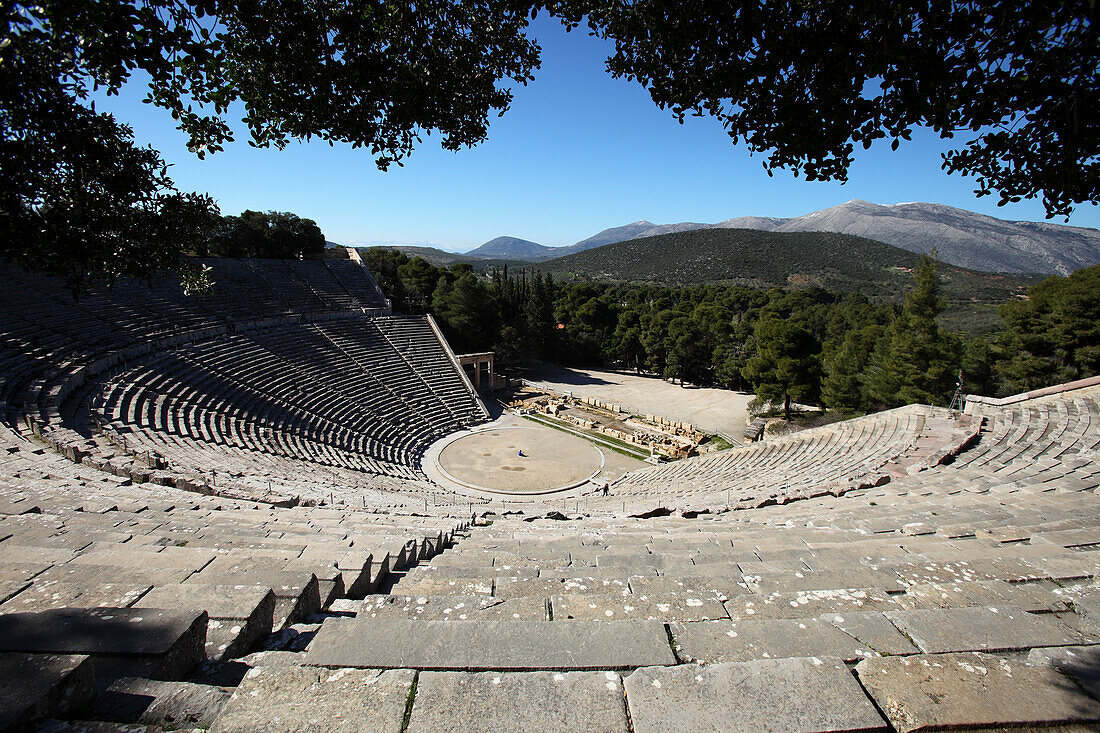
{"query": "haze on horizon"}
(578, 152)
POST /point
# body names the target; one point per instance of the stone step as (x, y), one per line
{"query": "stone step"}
(146, 642)
(45, 595)
(441, 586)
(1082, 663)
(297, 593)
(311, 699)
(489, 645)
(548, 702)
(645, 607)
(1005, 628)
(447, 608)
(240, 615)
(37, 686)
(817, 694)
(171, 705)
(804, 604)
(849, 636)
(974, 691)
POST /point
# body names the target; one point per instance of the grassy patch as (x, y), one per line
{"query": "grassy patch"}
(718, 442)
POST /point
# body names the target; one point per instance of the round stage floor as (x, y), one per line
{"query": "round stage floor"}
(520, 459)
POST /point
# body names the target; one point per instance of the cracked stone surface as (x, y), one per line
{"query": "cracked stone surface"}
(303, 699)
(933, 692)
(502, 702)
(818, 694)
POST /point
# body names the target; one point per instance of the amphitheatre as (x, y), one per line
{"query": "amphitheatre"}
(227, 512)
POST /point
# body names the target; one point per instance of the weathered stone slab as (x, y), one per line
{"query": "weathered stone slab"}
(949, 691)
(155, 702)
(297, 594)
(1080, 662)
(517, 587)
(9, 587)
(36, 686)
(116, 574)
(776, 694)
(873, 629)
(44, 595)
(468, 571)
(167, 644)
(1068, 567)
(21, 571)
(697, 586)
(550, 702)
(961, 571)
(742, 641)
(806, 604)
(643, 561)
(983, 629)
(990, 593)
(443, 586)
(306, 699)
(450, 608)
(796, 581)
(608, 607)
(494, 645)
(355, 564)
(36, 553)
(181, 558)
(240, 615)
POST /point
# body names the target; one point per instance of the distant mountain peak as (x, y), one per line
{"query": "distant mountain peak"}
(960, 237)
(512, 248)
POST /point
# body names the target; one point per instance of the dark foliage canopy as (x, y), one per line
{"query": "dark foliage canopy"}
(81, 200)
(802, 82)
(808, 81)
(271, 234)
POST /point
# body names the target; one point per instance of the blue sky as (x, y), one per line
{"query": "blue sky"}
(577, 152)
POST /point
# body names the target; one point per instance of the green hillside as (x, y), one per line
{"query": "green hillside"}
(837, 262)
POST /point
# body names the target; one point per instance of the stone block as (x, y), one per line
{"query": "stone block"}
(501, 702)
(37, 686)
(809, 603)
(297, 594)
(1035, 597)
(610, 607)
(815, 694)
(489, 645)
(46, 594)
(1080, 662)
(158, 643)
(240, 615)
(742, 641)
(983, 629)
(172, 705)
(973, 691)
(454, 586)
(452, 608)
(306, 699)
(697, 586)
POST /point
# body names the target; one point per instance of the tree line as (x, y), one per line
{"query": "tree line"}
(270, 234)
(839, 350)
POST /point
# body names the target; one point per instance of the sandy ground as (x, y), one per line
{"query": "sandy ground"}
(714, 410)
(490, 457)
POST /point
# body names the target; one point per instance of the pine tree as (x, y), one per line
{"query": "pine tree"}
(844, 384)
(785, 366)
(917, 362)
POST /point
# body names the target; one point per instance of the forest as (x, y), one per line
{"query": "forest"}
(811, 346)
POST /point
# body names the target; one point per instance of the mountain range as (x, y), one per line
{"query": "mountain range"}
(754, 258)
(960, 237)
